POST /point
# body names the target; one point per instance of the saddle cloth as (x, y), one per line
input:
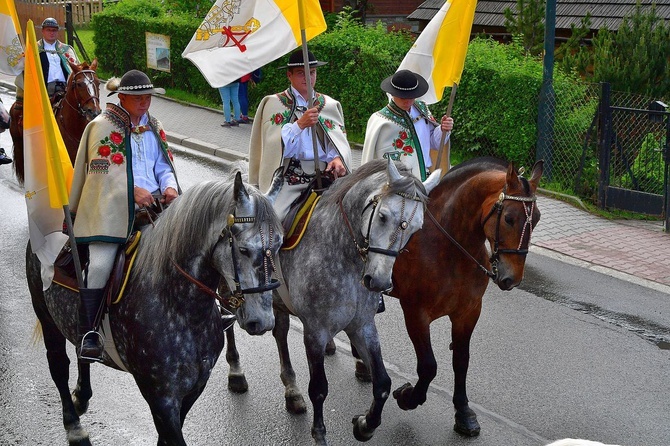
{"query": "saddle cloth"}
(300, 221)
(65, 275)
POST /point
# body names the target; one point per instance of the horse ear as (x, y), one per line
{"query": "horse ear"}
(512, 177)
(433, 180)
(94, 64)
(392, 171)
(538, 168)
(277, 183)
(240, 191)
(73, 66)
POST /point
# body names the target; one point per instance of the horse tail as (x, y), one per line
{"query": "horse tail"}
(37, 335)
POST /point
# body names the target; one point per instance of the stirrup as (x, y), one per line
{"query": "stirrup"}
(228, 318)
(91, 359)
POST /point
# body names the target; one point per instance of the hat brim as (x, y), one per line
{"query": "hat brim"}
(420, 90)
(318, 63)
(155, 90)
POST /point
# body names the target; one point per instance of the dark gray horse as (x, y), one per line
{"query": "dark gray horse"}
(167, 328)
(335, 275)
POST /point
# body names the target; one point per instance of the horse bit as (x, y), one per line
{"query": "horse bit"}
(235, 299)
(365, 248)
(498, 208)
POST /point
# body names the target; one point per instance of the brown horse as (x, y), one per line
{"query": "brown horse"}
(79, 106)
(482, 200)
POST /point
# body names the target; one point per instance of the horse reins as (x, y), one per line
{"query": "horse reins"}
(234, 299)
(497, 208)
(404, 224)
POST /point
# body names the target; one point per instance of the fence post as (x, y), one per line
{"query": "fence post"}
(546, 112)
(666, 160)
(68, 23)
(604, 143)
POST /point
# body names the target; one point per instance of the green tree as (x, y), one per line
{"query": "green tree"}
(527, 21)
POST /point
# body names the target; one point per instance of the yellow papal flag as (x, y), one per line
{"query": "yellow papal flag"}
(240, 36)
(439, 52)
(11, 48)
(48, 170)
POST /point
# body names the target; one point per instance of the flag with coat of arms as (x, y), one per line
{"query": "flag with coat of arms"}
(48, 170)
(239, 36)
(438, 54)
(11, 48)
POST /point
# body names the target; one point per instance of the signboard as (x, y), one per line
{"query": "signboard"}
(158, 51)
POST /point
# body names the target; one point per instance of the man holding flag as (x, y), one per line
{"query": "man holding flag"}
(405, 130)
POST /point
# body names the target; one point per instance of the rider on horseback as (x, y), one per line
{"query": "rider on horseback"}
(123, 162)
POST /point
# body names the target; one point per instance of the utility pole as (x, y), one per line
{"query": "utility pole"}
(547, 102)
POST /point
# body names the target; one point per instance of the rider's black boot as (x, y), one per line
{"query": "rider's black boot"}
(90, 300)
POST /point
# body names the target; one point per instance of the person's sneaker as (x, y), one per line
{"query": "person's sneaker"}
(226, 124)
(234, 123)
(4, 159)
(244, 120)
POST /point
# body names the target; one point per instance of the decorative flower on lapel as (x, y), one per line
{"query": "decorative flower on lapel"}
(280, 118)
(403, 143)
(113, 147)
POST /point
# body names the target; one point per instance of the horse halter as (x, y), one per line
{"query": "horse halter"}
(235, 299)
(365, 248)
(498, 208)
(94, 94)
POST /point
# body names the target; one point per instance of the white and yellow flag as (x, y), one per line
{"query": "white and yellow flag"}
(239, 36)
(48, 170)
(439, 53)
(11, 49)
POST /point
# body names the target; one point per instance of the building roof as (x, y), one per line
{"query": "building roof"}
(568, 12)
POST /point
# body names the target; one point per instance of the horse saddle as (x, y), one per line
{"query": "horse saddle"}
(65, 275)
(299, 220)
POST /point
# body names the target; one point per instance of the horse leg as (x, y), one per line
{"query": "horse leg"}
(368, 341)
(59, 368)
(237, 382)
(362, 371)
(82, 393)
(461, 332)
(295, 403)
(318, 384)
(166, 412)
(410, 397)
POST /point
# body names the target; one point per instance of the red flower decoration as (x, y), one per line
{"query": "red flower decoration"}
(162, 135)
(328, 123)
(398, 143)
(403, 135)
(117, 158)
(408, 149)
(169, 152)
(278, 118)
(104, 150)
(116, 137)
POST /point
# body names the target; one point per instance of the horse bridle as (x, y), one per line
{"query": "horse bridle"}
(93, 97)
(365, 248)
(498, 208)
(235, 299)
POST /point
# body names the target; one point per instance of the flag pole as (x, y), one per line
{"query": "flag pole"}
(310, 91)
(446, 147)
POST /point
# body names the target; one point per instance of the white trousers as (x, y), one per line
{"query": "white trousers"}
(100, 263)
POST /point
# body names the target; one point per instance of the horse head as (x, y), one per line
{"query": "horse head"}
(245, 258)
(392, 216)
(83, 90)
(509, 224)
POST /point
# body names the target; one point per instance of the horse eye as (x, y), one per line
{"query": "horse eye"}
(244, 251)
(509, 220)
(382, 217)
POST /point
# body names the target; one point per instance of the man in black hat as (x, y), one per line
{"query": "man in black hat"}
(282, 135)
(122, 164)
(405, 130)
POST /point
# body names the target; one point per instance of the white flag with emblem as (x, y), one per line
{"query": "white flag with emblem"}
(240, 36)
(11, 49)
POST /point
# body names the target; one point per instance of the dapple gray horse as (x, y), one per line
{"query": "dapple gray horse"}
(167, 328)
(336, 273)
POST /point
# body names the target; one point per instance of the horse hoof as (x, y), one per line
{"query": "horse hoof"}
(77, 436)
(331, 348)
(361, 430)
(466, 422)
(295, 404)
(238, 383)
(362, 372)
(402, 395)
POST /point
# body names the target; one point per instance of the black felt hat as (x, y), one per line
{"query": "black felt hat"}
(405, 84)
(297, 60)
(134, 83)
(50, 22)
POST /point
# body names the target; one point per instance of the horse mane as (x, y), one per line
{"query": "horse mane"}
(191, 226)
(475, 166)
(372, 168)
